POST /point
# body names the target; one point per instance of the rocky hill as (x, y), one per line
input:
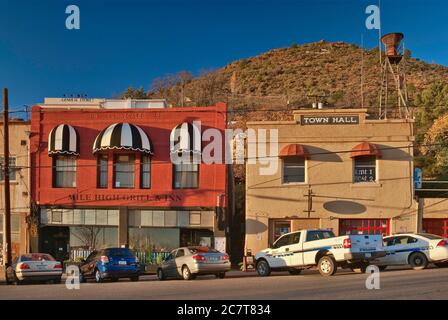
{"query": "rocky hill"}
(285, 78)
(268, 86)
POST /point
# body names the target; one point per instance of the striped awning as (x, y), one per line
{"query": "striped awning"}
(63, 140)
(185, 137)
(294, 150)
(365, 149)
(123, 136)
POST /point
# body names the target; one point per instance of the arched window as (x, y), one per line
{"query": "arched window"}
(293, 159)
(124, 142)
(63, 146)
(365, 157)
(185, 141)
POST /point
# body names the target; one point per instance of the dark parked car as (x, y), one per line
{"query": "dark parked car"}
(112, 264)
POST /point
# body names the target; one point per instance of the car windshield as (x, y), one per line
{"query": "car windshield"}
(119, 252)
(430, 236)
(36, 257)
(195, 250)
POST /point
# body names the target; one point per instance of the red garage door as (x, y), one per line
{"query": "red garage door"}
(436, 226)
(364, 226)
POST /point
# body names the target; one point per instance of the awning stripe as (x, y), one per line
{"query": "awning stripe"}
(63, 139)
(185, 137)
(122, 136)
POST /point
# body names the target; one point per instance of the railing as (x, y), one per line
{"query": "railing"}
(143, 256)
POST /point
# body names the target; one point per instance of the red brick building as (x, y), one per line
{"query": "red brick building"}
(103, 176)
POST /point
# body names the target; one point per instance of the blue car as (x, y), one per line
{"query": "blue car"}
(112, 264)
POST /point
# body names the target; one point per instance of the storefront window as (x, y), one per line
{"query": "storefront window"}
(154, 239)
(93, 237)
(186, 176)
(102, 171)
(293, 170)
(64, 172)
(145, 171)
(12, 171)
(365, 169)
(124, 171)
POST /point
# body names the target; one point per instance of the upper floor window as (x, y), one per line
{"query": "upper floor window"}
(64, 172)
(186, 176)
(364, 169)
(293, 170)
(12, 171)
(124, 171)
(145, 172)
(102, 170)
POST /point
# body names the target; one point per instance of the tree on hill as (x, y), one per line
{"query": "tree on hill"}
(131, 93)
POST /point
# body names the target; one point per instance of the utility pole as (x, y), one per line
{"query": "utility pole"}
(7, 210)
(309, 196)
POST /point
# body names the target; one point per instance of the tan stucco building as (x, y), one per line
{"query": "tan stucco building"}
(359, 173)
(20, 186)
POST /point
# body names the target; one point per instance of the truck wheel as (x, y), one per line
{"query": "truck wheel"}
(418, 261)
(263, 268)
(295, 272)
(327, 266)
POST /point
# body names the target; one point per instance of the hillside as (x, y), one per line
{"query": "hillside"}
(283, 78)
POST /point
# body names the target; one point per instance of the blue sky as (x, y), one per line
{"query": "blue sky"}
(132, 42)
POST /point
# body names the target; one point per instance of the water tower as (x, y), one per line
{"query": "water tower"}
(393, 93)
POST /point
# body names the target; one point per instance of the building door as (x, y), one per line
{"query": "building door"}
(436, 226)
(55, 241)
(364, 226)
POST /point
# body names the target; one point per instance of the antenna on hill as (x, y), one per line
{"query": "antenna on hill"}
(362, 71)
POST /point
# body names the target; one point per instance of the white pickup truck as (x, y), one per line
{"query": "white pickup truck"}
(309, 248)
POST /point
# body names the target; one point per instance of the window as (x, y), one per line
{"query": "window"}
(180, 253)
(186, 176)
(102, 171)
(124, 171)
(295, 238)
(64, 172)
(365, 169)
(319, 235)
(283, 241)
(279, 228)
(145, 172)
(293, 170)
(12, 170)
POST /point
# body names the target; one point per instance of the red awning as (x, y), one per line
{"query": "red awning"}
(294, 150)
(365, 149)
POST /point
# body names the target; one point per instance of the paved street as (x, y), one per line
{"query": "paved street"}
(395, 284)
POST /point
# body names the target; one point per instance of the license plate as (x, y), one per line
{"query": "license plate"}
(213, 259)
(368, 255)
(122, 263)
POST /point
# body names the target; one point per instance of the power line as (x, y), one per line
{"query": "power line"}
(245, 158)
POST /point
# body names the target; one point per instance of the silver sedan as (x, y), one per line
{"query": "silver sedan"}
(187, 262)
(34, 267)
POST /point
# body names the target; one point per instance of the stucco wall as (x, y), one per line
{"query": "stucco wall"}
(330, 176)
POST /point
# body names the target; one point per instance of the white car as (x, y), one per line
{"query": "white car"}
(414, 249)
(34, 267)
(305, 249)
